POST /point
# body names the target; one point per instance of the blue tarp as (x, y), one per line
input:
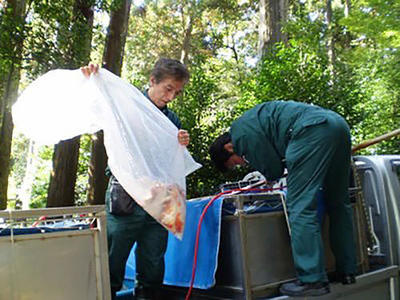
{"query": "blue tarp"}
(179, 255)
(41, 229)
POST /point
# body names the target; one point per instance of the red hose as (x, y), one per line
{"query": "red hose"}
(36, 223)
(196, 246)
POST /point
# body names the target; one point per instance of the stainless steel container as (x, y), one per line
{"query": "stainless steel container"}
(255, 255)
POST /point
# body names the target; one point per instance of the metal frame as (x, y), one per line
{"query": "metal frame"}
(250, 288)
(14, 219)
(242, 216)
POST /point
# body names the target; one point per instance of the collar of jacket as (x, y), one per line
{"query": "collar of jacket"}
(164, 109)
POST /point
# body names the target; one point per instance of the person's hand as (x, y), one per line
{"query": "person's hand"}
(183, 137)
(90, 69)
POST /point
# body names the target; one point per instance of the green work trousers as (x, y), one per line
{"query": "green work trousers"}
(151, 239)
(319, 157)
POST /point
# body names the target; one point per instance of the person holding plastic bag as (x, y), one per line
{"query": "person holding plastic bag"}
(127, 221)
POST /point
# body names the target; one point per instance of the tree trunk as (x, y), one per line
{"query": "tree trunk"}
(63, 177)
(186, 41)
(116, 37)
(347, 7)
(61, 190)
(331, 38)
(273, 15)
(12, 26)
(112, 61)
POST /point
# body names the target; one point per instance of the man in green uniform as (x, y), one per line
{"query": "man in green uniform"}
(127, 222)
(314, 145)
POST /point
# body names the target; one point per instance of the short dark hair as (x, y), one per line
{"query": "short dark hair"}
(167, 67)
(219, 155)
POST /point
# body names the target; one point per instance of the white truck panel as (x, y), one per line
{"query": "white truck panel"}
(55, 265)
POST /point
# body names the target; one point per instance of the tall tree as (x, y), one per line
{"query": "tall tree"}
(11, 40)
(186, 40)
(273, 15)
(112, 61)
(347, 7)
(330, 38)
(65, 158)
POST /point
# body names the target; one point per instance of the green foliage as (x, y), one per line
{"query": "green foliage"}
(18, 159)
(377, 20)
(58, 32)
(284, 72)
(374, 54)
(12, 33)
(42, 177)
(191, 108)
(205, 113)
(302, 74)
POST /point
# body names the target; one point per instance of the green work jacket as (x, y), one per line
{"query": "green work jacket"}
(261, 135)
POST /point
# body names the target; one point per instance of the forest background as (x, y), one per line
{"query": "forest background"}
(339, 54)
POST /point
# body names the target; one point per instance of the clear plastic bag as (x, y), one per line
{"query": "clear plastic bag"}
(141, 142)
